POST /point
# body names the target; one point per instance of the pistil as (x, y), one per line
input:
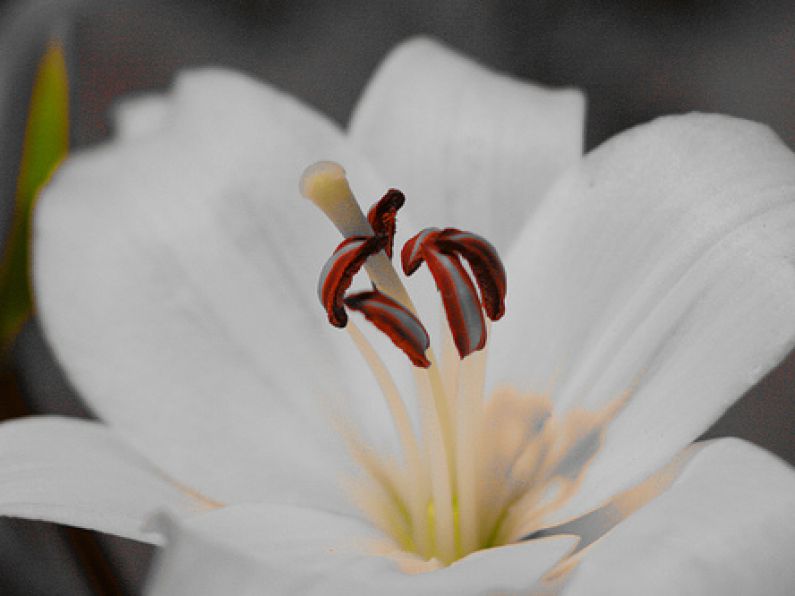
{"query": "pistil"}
(418, 482)
(326, 185)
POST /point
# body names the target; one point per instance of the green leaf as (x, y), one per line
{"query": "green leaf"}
(45, 145)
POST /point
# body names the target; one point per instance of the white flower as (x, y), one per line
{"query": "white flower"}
(175, 272)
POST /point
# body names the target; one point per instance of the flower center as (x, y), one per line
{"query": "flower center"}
(478, 473)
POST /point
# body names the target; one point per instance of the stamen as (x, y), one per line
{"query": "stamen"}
(460, 301)
(324, 183)
(485, 263)
(393, 319)
(338, 272)
(418, 488)
(441, 250)
(383, 217)
(412, 254)
(470, 478)
(469, 439)
(444, 511)
(451, 360)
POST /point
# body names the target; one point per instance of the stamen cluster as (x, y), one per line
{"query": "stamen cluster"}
(442, 250)
(432, 505)
(387, 314)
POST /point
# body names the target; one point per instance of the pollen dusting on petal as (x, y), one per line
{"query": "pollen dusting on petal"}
(530, 461)
(408, 562)
(382, 491)
(550, 466)
(592, 526)
(202, 502)
(513, 420)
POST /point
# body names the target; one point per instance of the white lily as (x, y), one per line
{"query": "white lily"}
(175, 272)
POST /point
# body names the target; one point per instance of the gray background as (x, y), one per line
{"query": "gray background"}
(635, 60)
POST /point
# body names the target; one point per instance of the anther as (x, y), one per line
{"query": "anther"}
(383, 216)
(325, 184)
(441, 250)
(412, 254)
(485, 263)
(338, 272)
(394, 320)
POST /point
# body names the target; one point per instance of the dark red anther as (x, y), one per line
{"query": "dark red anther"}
(383, 217)
(396, 321)
(441, 250)
(412, 255)
(460, 300)
(339, 270)
(485, 263)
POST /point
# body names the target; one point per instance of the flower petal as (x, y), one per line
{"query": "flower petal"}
(251, 549)
(78, 473)
(141, 115)
(726, 526)
(661, 270)
(175, 271)
(470, 148)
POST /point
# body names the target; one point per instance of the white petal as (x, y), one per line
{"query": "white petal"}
(726, 526)
(662, 267)
(141, 115)
(288, 550)
(469, 147)
(78, 473)
(595, 524)
(175, 271)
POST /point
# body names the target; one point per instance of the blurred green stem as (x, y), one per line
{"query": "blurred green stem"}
(45, 145)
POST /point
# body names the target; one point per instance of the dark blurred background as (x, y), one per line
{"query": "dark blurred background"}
(634, 59)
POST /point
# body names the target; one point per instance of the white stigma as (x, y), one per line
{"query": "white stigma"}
(326, 185)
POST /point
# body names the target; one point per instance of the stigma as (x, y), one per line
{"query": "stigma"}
(326, 185)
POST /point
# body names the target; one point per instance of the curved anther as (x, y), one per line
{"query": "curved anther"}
(441, 250)
(338, 272)
(396, 321)
(383, 216)
(460, 300)
(412, 255)
(485, 263)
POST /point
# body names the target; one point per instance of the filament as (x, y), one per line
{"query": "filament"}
(418, 490)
